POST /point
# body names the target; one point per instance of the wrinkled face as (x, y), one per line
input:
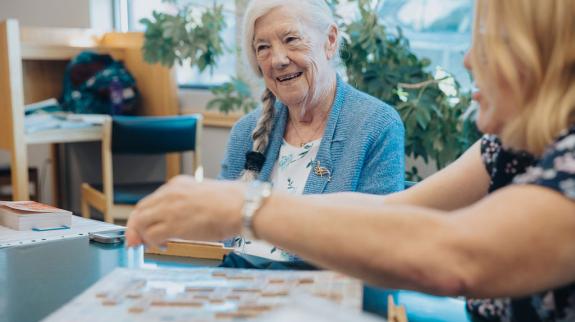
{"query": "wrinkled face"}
(496, 108)
(291, 56)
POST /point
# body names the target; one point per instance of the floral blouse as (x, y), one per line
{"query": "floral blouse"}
(289, 174)
(554, 170)
(293, 166)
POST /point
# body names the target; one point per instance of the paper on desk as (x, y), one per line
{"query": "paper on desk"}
(60, 120)
(80, 227)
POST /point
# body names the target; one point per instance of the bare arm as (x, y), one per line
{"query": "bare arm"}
(515, 242)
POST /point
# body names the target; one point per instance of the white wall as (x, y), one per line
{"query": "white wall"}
(215, 138)
(48, 13)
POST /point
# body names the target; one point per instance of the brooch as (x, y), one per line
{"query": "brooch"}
(321, 171)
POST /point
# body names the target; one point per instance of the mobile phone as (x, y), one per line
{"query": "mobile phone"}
(108, 237)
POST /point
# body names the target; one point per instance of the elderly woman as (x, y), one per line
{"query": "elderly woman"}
(313, 133)
(497, 223)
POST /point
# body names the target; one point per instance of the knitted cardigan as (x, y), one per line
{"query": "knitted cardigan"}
(362, 146)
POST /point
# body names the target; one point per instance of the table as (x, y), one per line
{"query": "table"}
(37, 279)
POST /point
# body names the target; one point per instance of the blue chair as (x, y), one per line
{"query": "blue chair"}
(408, 184)
(420, 307)
(140, 135)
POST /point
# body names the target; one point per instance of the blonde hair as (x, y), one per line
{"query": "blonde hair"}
(530, 45)
(314, 12)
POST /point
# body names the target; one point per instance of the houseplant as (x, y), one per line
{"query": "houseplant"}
(432, 107)
(378, 62)
(184, 37)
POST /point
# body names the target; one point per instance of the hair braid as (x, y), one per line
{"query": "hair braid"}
(262, 131)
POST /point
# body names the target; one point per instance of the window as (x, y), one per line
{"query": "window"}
(437, 29)
(186, 75)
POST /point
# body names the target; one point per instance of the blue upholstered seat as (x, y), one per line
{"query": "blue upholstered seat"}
(139, 135)
(131, 193)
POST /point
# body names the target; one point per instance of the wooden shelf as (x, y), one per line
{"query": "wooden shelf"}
(32, 66)
(216, 119)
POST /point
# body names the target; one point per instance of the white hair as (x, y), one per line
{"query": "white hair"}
(317, 14)
(314, 12)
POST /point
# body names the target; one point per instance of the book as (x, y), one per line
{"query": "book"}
(32, 215)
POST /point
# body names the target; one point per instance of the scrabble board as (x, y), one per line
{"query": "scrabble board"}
(203, 294)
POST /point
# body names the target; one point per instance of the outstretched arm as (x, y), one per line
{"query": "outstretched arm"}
(516, 241)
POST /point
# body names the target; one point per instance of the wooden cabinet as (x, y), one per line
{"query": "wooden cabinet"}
(32, 64)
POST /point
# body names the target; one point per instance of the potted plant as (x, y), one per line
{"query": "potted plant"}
(439, 126)
(432, 106)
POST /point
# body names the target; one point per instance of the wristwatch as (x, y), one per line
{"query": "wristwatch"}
(256, 193)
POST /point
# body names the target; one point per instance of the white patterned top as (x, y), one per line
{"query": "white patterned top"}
(289, 174)
(293, 166)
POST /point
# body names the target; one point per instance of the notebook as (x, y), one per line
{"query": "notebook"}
(32, 215)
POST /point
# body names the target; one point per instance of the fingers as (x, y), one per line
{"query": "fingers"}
(152, 212)
(140, 219)
(139, 223)
(156, 235)
(132, 237)
(184, 208)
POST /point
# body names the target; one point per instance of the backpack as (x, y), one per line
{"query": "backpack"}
(98, 84)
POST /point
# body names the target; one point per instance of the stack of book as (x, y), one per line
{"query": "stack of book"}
(32, 215)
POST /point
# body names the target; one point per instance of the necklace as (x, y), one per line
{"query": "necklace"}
(315, 132)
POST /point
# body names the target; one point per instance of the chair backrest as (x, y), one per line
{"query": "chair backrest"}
(155, 134)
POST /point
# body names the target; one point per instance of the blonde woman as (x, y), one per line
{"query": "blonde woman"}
(498, 223)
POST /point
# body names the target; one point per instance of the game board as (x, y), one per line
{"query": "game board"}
(205, 294)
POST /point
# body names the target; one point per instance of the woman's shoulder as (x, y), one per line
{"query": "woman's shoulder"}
(359, 104)
(246, 123)
(249, 119)
(556, 168)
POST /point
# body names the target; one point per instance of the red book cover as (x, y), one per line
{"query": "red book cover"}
(31, 206)
(32, 215)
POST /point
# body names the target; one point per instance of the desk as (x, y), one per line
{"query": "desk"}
(56, 137)
(37, 279)
(33, 62)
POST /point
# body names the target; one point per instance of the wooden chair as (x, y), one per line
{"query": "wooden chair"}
(169, 135)
(32, 65)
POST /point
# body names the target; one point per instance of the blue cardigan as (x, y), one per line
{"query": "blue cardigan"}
(362, 145)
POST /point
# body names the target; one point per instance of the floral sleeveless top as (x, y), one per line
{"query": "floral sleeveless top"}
(554, 170)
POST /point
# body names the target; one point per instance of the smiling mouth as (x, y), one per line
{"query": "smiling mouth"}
(288, 77)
